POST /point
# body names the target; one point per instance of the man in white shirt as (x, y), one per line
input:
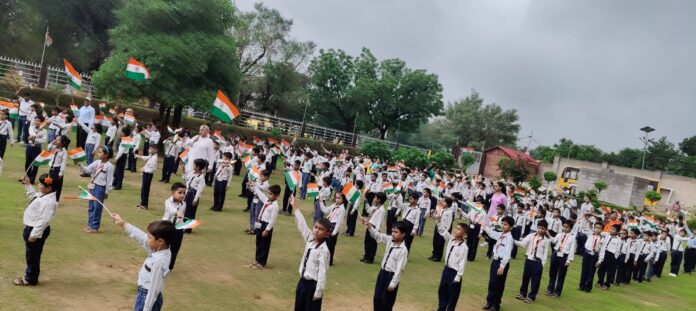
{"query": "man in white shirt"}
(85, 116)
(201, 146)
(25, 104)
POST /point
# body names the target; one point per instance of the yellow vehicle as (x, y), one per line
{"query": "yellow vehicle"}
(568, 179)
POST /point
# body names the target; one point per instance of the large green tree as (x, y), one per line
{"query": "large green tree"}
(688, 146)
(396, 97)
(186, 46)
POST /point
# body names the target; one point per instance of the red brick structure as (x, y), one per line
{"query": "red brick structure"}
(491, 157)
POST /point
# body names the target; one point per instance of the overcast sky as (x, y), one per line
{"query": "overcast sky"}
(592, 71)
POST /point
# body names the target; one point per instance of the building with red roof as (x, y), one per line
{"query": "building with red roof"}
(491, 157)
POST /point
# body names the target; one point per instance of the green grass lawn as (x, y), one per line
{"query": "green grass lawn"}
(83, 271)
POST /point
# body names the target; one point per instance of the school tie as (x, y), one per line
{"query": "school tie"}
(304, 264)
(386, 260)
(261, 212)
(560, 246)
(450, 252)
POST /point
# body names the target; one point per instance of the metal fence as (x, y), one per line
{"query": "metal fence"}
(24, 73)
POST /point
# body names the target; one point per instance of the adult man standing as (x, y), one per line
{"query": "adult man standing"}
(200, 146)
(86, 117)
(25, 104)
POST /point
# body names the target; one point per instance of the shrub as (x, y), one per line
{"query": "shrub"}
(534, 183)
(442, 159)
(411, 157)
(377, 150)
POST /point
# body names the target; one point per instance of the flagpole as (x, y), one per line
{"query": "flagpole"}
(44, 47)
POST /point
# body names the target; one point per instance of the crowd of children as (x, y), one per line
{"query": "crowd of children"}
(393, 201)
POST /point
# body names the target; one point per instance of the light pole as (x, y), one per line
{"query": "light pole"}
(304, 116)
(569, 149)
(647, 130)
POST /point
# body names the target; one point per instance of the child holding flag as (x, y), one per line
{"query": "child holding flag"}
(137, 139)
(264, 225)
(36, 137)
(393, 264)
(376, 213)
(121, 156)
(195, 183)
(155, 268)
(100, 184)
(352, 217)
(5, 132)
(256, 204)
(37, 228)
(314, 265)
(93, 139)
(334, 214)
(223, 177)
(323, 195)
(174, 210)
(60, 159)
(172, 148)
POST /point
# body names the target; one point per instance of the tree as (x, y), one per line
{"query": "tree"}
(332, 93)
(442, 160)
(396, 97)
(411, 157)
(471, 123)
(549, 177)
(626, 157)
(466, 159)
(189, 56)
(688, 146)
(513, 169)
(377, 150)
(600, 185)
(544, 153)
(266, 52)
(682, 165)
(534, 183)
(659, 154)
(653, 196)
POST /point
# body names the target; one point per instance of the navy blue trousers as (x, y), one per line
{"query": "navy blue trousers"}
(448, 292)
(557, 274)
(33, 252)
(496, 284)
(263, 245)
(219, 194)
(370, 247)
(383, 299)
(588, 271)
(531, 274)
(304, 296)
(607, 270)
(145, 189)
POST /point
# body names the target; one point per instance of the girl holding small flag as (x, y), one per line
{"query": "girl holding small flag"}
(5, 132)
(60, 159)
(195, 183)
(100, 184)
(37, 228)
(111, 133)
(37, 137)
(256, 204)
(352, 218)
(137, 139)
(334, 214)
(121, 157)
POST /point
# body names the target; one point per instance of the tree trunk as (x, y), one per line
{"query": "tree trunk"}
(162, 109)
(176, 122)
(383, 133)
(167, 115)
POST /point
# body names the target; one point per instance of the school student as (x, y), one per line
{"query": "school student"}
(621, 261)
(334, 214)
(410, 216)
(111, 133)
(689, 256)
(174, 210)
(608, 256)
(500, 262)
(446, 217)
(195, 184)
(172, 149)
(60, 159)
(137, 139)
(155, 268)
(537, 245)
(476, 218)
(148, 171)
(93, 139)
(632, 243)
(256, 203)
(352, 212)
(5, 132)
(223, 178)
(37, 227)
(315, 261)
(561, 257)
(455, 261)
(590, 257)
(324, 194)
(264, 225)
(520, 223)
(376, 213)
(121, 157)
(100, 183)
(643, 256)
(393, 264)
(33, 141)
(424, 204)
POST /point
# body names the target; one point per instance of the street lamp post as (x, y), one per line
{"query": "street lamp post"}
(647, 130)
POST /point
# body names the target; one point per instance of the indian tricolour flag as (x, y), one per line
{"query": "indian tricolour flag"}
(188, 224)
(223, 108)
(254, 173)
(292, 178)
(352, 193)
(75, 110)
(11, 108)
(387, 187)
(77, 154)
(74, 78)
(284, 143)
(275, 151)
(130, 119)
(171, 130)
(257, 141)
(312, 190)
(272, 141)
(136, 71)
(127, 142)
(85, 195)
(218, 135)
(44, 158)
(247, 162)
(184, 156)
(650, 221)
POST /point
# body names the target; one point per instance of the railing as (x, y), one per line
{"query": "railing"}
(27, 73)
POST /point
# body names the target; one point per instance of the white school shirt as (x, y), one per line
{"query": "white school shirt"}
(644, 248)
(197, 182)
(315, 258)
(261, 186)
(395, 256)
(39, 211)
(324, 193)
(537, 247)
(172, 148)
(136, 141)
(307, 166)
(268, 212)
(6, 129)
(150, 163)
(171, 208)
(375, 186)
(503, 245)
(610, 244)
(40, 136)
(111, 132)
(584, 209)
(446, 219)
(666, 244)
(455, 254)
(412, 214)
(555, 224)
(593, 244)
(224, 171)
(92, 137)
(376, 215)
(334, 214)
(155, 267)
(565, 244)
(25, 106)
(55, 123)
(102, 174)
(60, 159)
(154, 137)
(424, 203)
(677, 243)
